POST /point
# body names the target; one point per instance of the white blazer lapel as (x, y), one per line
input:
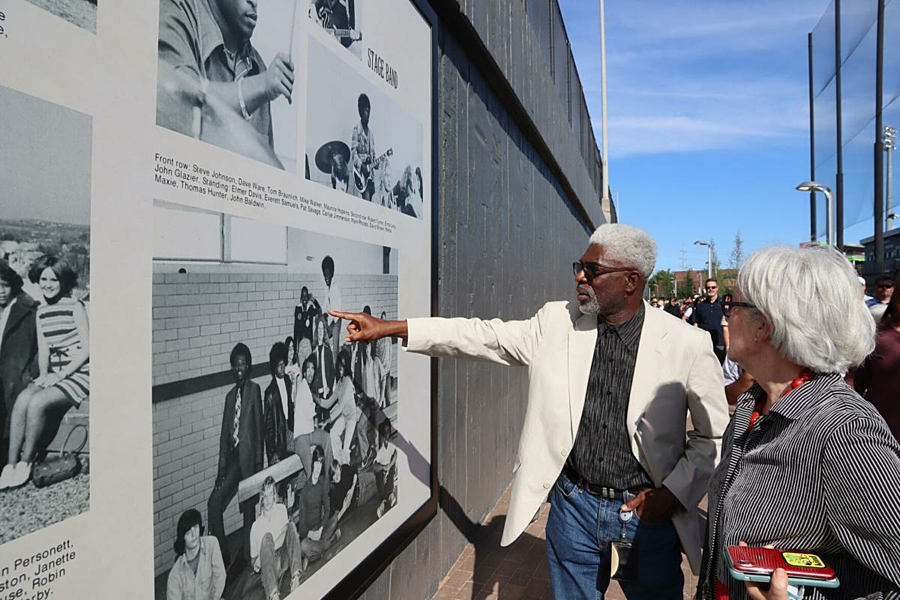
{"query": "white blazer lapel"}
(582, 340)
(647, 368)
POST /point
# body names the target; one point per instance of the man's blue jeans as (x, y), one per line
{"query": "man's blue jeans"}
(579, 531)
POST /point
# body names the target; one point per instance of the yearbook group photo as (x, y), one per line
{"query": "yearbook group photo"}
(273, 437)
(45, 244)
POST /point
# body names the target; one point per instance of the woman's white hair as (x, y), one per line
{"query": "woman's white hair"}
(628, 245)
(813, 303)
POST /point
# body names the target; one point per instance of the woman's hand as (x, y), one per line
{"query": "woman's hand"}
(48, 380)
(364, 327)
(777, 588)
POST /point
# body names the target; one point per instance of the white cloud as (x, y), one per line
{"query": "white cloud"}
(695, 75)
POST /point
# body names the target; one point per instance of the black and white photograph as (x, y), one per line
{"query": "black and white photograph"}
(45, 244)
(341, 19)
(226, 75)
(359, 141)
(273, 438)
(81, 13)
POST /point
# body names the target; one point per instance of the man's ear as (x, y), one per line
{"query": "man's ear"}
(632, 280)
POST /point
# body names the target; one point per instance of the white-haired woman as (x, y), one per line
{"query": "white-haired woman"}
(806, 463)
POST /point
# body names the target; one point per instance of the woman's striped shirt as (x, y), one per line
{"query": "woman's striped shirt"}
(56, 323)
(819, 473)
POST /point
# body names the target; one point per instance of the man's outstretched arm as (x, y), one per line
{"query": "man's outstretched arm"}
(512, 343)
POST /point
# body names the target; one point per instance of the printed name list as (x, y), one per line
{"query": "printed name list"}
(32, 577)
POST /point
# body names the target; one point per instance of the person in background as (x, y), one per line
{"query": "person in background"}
(278, 406)
(293, 371)
(274, 543)
(672, 307)
(198, 572)
(331, 300)
(878, 378)
(807, 465)
(305, 315)
(317, 530)
(64, 379)
(343, 483)
(383, 362)
(384, 195)
(345, 412)
(323, 360)
(884, 289)
(241, 449)
(707, 315)
(866, 296)
(385, 469)
(306, 432)
(413, 205)
(362, 147)
(18, 347)
(687, 308)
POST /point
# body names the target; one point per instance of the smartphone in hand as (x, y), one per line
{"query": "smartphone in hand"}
(757, 564)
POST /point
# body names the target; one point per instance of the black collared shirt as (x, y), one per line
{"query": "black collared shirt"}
(819, 473)
(602, 451)
(708, 316)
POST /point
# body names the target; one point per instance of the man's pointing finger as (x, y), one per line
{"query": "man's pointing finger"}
(343, 315)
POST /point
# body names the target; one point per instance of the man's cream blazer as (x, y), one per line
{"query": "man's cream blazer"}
(675, 373)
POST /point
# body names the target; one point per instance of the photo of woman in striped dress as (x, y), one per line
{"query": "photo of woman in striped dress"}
(63, 360)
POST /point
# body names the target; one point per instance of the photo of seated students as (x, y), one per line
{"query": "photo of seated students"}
(301, 448)
(63, 379)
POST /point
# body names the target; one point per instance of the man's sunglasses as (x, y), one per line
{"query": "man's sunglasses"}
(728, 306)
(592, 270)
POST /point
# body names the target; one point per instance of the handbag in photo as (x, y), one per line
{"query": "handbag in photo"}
(62, 467)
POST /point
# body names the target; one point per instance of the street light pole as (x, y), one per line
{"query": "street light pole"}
(812, 186)
(603, 133)
(709, 265)
(890, 143)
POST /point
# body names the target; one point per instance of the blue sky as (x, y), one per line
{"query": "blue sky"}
(708, 118)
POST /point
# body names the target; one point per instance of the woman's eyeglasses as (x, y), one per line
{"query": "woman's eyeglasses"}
(728, 306)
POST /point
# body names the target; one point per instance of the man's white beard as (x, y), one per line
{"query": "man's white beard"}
(591, 307)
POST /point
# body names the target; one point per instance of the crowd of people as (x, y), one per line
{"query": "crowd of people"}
(44, 361)
(806, 464)
(324, 404)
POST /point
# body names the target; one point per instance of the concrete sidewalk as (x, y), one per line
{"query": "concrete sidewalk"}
(487, 571)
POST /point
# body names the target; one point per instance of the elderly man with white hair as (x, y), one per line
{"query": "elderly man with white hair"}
(610, 386)
(807, 464)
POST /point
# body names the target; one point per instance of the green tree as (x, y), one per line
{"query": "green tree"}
(737, 252)
(662, 284)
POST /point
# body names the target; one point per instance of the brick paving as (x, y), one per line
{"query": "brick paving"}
(485, 571)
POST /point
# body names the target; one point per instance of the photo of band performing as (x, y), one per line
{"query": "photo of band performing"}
(226, 75)
(345, 115)
(340, 18)
(269, 428)
(45, 380)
